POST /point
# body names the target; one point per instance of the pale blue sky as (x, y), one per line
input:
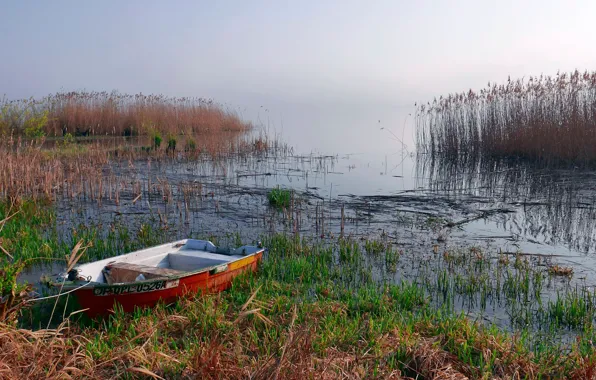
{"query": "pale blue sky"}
(394, 52)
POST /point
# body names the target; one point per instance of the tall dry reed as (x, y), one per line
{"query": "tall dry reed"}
(547, 119)
(41, 169)
(116, 114)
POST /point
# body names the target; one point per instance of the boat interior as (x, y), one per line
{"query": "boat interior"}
(172, 259)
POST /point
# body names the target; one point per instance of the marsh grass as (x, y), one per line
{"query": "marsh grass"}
(31, 236)
(172, 141)
(280, 198)
(70, 168)
(315, 308)
(551, 120)
(295, 319)
(67, 144)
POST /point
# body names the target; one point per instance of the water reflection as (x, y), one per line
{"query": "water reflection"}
(554, 207)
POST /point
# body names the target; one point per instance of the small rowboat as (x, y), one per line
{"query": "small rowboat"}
(142, 278)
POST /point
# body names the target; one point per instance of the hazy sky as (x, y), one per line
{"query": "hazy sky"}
(338, 51)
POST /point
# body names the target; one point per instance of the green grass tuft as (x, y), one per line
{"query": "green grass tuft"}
(156, 139)
(279, 197)
(172, 143)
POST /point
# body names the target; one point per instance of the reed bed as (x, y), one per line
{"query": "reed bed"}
(545, 119)
(27, 171)
(115, 114)
(68, 144)
(94, 170)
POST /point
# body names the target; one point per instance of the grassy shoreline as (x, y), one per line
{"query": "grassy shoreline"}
(313, 309)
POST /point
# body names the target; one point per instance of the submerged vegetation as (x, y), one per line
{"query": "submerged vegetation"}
(545, 119)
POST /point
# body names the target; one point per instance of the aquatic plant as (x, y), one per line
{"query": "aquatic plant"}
(172, 143)
(279, 197)
(156, 138)
(558, 270)
(12, 294)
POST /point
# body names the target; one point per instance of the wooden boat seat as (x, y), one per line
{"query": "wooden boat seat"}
(119, 272)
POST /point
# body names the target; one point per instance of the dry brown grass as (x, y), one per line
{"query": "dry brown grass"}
(435, 363)
(61, 353)
(559, 270)
(230, 353)
(26, 170)
(41, 354)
